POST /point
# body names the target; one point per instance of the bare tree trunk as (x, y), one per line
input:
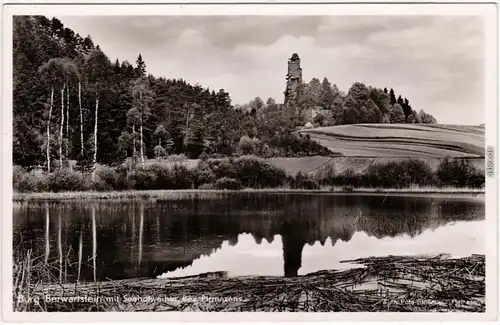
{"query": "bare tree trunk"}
(62, 128)
(133, 139)
(94, 244)
(67, 122)
(142, 140)
(59, 246)
(80, 254)
(142, 145)
(47, 238)
(81, 116)
(48, 127)
(95, 135)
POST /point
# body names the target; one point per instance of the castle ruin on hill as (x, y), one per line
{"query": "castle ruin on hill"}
(293, 79)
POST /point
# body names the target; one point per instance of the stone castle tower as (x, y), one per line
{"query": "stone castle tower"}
(293, 79)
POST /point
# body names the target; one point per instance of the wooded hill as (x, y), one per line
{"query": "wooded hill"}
(70, 102)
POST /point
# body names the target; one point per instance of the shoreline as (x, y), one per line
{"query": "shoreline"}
(391, 283)
(178, 194)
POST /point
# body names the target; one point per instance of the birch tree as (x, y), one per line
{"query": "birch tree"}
(52, 70)
(97, 66)
(142, 98)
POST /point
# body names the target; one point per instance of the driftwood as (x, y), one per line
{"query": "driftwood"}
(392, 284)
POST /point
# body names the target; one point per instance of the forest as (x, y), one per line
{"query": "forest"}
(71, 103)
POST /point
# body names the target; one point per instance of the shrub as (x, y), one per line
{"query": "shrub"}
(181, 177)
(206, 187)
(106, 177)
(257, 173)
(326, 175)
(459, 172)
(203, 174)
(221, 167)
(226, 183)
(304, 181)
(203, 156)
(162, 177)
(25, 182)
(66, 180)
(246, 146)
(141, 179)
(398, 174)
(348, 177)
(177, 158)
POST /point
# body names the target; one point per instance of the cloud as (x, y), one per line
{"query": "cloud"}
(434, 61)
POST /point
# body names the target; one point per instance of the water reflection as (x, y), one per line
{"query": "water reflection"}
(298, 233)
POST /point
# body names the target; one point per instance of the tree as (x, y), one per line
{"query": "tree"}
(413, 118)
(142, 101)
(426, 118)
(407, 108)
(392, 97)
(97, 64)
(270, 102)
(359, 92)
(140, 70)
(396, 114)
(373, 112)
(327, 95)
(246, 145)
(314, 91)
(53, 71)
(69, 73)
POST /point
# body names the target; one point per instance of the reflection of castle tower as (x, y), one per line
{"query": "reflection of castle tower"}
(293, 79)
(293, 239)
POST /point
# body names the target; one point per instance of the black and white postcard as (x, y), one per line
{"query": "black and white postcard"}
(249, 162)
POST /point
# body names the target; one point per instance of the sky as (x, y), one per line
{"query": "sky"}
(437, 62)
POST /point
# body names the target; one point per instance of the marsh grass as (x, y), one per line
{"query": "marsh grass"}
(392, 283)
(216, 194)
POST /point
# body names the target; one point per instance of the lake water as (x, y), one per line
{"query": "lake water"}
(244, 233)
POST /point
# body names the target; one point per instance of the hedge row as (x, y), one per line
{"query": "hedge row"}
(246, 172)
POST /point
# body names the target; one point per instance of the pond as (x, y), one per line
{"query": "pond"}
(243, 233)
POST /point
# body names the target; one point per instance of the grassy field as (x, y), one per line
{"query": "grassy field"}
(362, 145)
(402, 140)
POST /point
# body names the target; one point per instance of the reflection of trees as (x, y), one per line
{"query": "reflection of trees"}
(130, 239)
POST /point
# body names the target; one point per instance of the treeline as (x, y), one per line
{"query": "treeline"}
(249, 172)
(361, 104)
(72, 103)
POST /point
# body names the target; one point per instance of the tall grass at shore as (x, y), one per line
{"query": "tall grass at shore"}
(249, 172)
(215, 193)
(423, 282)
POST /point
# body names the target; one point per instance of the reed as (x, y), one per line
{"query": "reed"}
(214, 194)
(391, 284)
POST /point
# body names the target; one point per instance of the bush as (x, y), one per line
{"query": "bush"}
(459, 172)
(304, 181)
(141, 179)
(226, 183)
(26, 182)
(203, 174)
(348, 177)
(398, 174)
(66, 180)
(206, 187)
(257, 173)
(222, 167)
(177, 158)
(162, 177)
(106, 179)
(181, 177)
(326, 175)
